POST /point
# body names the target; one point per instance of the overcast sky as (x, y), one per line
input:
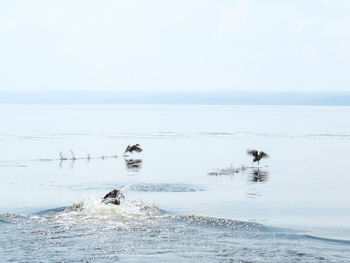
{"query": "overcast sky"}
(175, 45)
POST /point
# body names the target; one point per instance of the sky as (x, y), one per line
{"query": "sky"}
(186, 45)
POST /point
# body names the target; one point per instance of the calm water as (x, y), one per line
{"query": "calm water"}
(192, 194)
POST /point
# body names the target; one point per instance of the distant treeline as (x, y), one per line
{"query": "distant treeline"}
(181, 98)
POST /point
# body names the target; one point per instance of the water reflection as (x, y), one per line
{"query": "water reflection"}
(258, 175)
(63, 160)
(133, 165)
(72, 164)
(229, 170)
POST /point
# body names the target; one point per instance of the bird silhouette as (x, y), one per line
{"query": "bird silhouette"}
(133, 148)
(257, 155)
(113, 197)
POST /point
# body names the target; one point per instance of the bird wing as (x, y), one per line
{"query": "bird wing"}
(127, 149)
(111, 194)
(138, 149)
(253, 152)
(263, 155)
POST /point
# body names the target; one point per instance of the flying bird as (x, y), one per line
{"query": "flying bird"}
(257, 155)
(133, 148)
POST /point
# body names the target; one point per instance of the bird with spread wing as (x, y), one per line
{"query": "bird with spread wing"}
(258, 155)
(133, 148)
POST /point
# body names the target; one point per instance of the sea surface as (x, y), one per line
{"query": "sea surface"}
(193, 193)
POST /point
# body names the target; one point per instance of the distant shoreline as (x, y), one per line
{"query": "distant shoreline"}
(177, 98)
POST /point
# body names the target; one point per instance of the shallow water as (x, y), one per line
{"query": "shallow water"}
(193, 193)
(137, 231)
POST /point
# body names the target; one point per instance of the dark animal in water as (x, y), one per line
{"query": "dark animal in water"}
(113, 197)
(133, 148)
(257, 155)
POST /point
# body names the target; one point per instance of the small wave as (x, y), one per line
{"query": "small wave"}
(93, 209)
(130, 212)
(146, 187)
(4, 221)
(42, 136)
(165, 188)
(84, 216)
(327, 135)
(128, 208)
(221, 222)
(51, 211)
(340, 241)
(10, 218)
(157, 135)
(293, 234)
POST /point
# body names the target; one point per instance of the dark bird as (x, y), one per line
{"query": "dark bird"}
(133, 148)
(113, 197)
(257, 155)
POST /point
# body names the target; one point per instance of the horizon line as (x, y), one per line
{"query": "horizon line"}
(177, 98)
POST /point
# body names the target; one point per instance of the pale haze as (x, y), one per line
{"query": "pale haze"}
(175, 45)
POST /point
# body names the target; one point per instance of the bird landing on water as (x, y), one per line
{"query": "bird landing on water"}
(113, 197)
(133, 148)
(257, 155)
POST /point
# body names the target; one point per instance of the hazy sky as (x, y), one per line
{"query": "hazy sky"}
(248, 45)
